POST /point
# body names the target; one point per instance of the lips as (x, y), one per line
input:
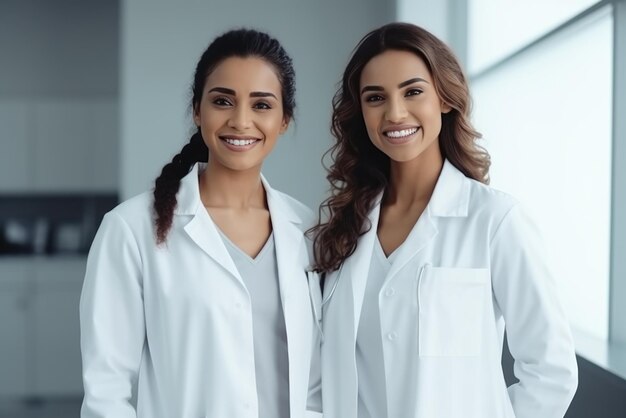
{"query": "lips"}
(401, 133)
(239, 143)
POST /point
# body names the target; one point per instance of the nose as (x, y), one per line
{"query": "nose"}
(240, 118)
(396, 110)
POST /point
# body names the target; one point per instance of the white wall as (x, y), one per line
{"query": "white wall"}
(161, 43)
(434, 16)
(446, 19)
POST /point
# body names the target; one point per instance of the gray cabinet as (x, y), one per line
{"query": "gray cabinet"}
(59, 144)
(14, 331)
(55, 299)
(39, 324)
(15, 148)
(105, 145)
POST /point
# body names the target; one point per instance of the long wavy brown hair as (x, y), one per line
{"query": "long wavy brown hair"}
(359, 171)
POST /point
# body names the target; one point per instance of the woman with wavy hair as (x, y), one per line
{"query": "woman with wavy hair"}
(196, 297)
(425, 264)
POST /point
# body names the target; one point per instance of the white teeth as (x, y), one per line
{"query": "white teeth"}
(401, 134)
(239, 142)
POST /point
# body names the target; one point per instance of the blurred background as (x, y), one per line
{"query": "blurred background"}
(94, 100)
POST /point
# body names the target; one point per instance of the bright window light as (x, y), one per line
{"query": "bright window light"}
(499, 27)
(546, 119)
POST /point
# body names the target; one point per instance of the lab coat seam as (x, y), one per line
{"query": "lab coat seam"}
(493, 237)
(498, 227)
(134, 240)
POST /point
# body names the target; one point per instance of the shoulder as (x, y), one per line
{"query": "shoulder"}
(300, 209)
(486, 201)
(503, 214)
(510, 223)
(134, 214)
(136, 208)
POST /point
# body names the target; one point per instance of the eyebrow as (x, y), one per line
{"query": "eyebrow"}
(263, 94)
(403, 84)
(232, 92)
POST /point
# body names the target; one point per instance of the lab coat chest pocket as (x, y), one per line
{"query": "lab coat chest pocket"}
(451, 310)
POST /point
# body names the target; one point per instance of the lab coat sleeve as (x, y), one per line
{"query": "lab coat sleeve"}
(111, 322)
(537, 330)
(314, 401)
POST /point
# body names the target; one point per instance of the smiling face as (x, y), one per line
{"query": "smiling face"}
(401, 108)
(240, 114)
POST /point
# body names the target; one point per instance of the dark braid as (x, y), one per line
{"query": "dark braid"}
(235, 43)
(167, 184)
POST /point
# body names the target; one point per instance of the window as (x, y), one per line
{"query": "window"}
(496, 28)
(546, 118)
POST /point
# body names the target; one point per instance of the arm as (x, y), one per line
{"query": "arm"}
(111, 321)
(537, 329)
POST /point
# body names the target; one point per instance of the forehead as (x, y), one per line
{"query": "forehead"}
(245, 74)
(393, 67)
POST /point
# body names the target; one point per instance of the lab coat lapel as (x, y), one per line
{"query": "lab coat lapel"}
(359, 263)
(201, 228)
(292, 261)
(450, 199)
(203, 231)
(421, 234)
(291, 252)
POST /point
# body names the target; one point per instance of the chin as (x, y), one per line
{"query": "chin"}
(403, 156)
(238, 164)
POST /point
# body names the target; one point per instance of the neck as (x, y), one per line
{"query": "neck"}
(226, 188)
(413, 182)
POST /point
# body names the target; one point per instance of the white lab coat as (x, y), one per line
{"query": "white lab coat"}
(172, 326)
(472, 263)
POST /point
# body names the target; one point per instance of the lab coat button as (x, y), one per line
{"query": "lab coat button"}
(390, 292)
(392, 336)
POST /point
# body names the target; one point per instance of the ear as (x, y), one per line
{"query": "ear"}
(196, 116)
(445, 107)
(284, 125)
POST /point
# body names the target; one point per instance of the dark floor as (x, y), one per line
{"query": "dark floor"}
(58, 408)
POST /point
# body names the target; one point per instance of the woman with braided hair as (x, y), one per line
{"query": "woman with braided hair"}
(196, 300)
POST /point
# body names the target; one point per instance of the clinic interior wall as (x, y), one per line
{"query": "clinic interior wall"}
(161, 43)
(433, 16)
(42, 57)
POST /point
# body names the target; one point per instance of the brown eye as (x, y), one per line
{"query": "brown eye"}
(262, 106)
(414, 92)
(222, 101)
(374, 98)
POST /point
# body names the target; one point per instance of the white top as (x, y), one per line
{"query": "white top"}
(166, 330)
(271, 362)
(473, 262)
(369, 344)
